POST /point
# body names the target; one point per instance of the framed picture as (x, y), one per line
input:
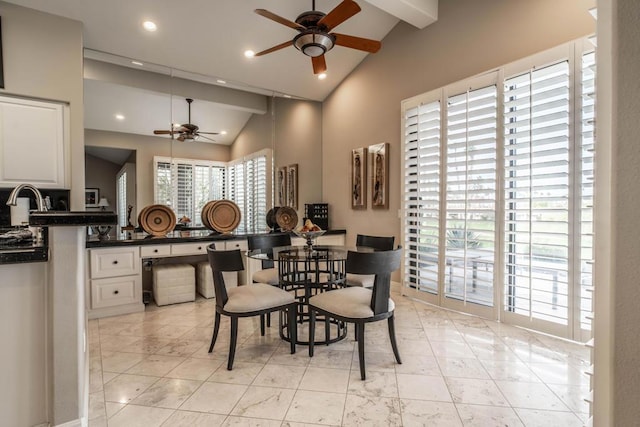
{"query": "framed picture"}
(292, 186)
(359, 178)
(91, 197)
(281, 186)
(379, 154)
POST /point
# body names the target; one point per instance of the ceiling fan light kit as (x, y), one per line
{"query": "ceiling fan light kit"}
(314, 43)
(315, 37)
(186, 132)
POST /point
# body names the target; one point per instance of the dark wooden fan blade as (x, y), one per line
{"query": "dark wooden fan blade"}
(209, 133)
(339, 14)
(359, 43)
(162, 132)
(279, 19)
(273, 49)
(319, 64)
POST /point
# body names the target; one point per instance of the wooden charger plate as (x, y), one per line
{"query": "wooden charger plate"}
(224, 216)
(287, 218)
(204, 215)
(157, 220)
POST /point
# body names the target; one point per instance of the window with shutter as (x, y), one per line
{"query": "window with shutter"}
(421, 200)
(498, 193)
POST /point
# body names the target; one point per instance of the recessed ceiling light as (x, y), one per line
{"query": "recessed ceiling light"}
(138, 63)
(119, 117)
(149, 26)
(223, 132)
(222, 82)
(249, 53)
(322, 76)
(176, 125)
(287, 96)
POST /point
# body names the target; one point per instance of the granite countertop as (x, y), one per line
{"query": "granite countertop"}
(180, 236)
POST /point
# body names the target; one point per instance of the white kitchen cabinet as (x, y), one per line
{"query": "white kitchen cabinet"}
(34, 143)
(115, 279)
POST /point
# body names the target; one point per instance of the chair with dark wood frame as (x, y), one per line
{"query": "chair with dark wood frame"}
(360, 305)
(256, 299)
(377, 243)
(269, 273)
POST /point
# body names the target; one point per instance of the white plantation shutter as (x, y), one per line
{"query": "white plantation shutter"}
(586, 185)
(122, 199)
(537, 195)
(183, 190)
(236, 186)
(470, 194)
(163, 183)
(421, 199)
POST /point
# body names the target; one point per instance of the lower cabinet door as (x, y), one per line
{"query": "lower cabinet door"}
(116, 291)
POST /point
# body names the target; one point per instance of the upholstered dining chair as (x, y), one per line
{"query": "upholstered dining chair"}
(256, 299)
(377, 243)
(269, 273)
(361, 305)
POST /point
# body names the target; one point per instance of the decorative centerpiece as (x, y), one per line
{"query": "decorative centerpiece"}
(310, 232)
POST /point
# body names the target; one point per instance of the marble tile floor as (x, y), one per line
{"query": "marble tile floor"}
(152, 369)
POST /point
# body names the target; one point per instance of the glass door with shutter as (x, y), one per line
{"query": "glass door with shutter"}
(470, 199)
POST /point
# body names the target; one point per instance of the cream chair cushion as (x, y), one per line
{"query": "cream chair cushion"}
(348, 302)
(362, 280)
(268, 276)
(255, 297)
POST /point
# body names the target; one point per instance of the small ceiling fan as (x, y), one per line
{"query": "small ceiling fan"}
(314, 36)
(188, 131)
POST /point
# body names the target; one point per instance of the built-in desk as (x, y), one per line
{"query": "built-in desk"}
(114, 267)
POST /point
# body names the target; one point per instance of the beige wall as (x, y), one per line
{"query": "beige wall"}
(470, 37)
(101, 174)
(297, 140)
(148, 146)
(42, 57)
(617, 291)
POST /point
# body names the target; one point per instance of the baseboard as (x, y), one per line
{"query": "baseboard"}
(82, 422)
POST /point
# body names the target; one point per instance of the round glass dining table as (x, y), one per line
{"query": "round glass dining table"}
(307, 271)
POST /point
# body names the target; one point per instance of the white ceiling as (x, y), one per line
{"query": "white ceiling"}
(209, 37)
(204, 40)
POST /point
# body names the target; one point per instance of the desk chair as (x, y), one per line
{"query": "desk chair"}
(256, 299)
(360, 305)
(377, 243)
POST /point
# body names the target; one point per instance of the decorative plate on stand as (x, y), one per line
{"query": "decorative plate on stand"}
(157, 220)
(205, 213)
(287, 218)
(224, 216)
(271, 218)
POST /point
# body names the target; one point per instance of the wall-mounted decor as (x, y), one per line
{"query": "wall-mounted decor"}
(91, 197)
(281, 186)
(359, 178)
(379, 154)
(292, 186)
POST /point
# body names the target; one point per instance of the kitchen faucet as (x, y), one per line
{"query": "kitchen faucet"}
(13, 197)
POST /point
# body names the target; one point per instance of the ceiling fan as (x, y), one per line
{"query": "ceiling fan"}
(314, 36)
(186, 132)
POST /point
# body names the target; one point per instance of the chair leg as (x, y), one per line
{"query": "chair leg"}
(312, 330)
(360, 331)
(268, 315)
(262, 324)
(327, 329)
(293, 326)
(216, 328)
(392, 337)
(232, 343)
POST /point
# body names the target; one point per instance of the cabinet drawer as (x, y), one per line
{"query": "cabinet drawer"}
(190, 248)
(115, 291)
(115, 262)
(155, 250)
(236, 244)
